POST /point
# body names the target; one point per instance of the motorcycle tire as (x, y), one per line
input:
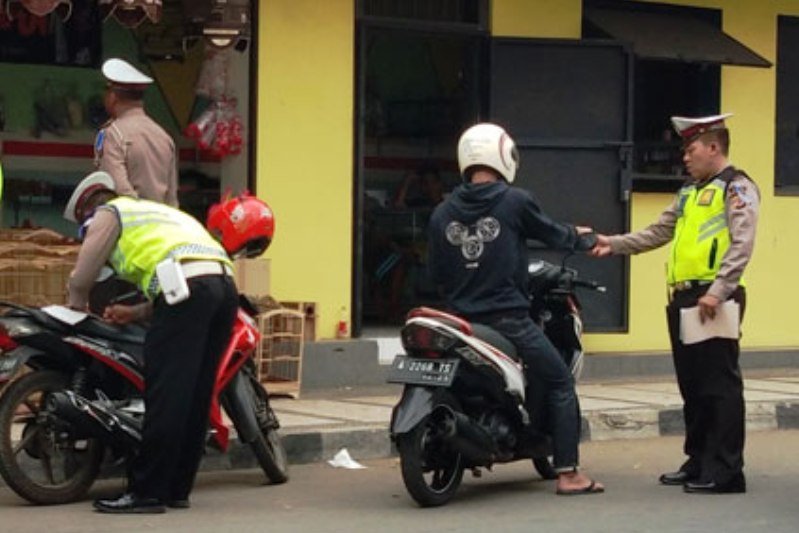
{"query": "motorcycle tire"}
(543, 465)
(45, 466)
(421, 455)
(267, 447)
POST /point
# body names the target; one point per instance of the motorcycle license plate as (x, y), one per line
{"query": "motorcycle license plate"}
(436, 372)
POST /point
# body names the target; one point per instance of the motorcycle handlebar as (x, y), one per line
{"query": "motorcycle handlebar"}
(586, 242)
(593, 285)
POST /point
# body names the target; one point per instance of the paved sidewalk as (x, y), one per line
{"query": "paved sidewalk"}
(316, 428)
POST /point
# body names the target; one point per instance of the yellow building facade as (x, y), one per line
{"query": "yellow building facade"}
(305, 164)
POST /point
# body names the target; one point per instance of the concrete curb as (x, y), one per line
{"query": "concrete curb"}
(373, 441)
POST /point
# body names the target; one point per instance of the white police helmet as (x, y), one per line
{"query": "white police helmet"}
(490, 146)
(94, 182)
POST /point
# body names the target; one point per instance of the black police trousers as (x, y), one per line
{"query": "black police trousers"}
(181, 353)
(709, 377)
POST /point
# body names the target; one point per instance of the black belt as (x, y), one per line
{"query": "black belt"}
(690, 284)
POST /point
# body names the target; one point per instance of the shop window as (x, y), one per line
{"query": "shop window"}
(418, 91)
(678, 55)
(786, 171)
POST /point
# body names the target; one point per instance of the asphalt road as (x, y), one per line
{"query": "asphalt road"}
(512, 498)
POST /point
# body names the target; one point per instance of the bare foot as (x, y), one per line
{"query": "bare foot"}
(572, 483)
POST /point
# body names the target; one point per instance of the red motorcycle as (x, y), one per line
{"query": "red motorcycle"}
(82, 395)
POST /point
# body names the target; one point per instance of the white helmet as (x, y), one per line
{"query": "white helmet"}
(490, 146)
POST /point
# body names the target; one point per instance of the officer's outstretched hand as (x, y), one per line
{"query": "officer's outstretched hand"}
(602, 248)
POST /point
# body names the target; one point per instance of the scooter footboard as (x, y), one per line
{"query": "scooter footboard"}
(416, 403)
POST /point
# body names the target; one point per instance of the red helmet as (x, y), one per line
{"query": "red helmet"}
(243, 224)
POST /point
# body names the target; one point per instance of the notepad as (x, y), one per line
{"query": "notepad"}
(726, 323)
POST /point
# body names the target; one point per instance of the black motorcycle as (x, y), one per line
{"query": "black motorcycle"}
(76, 393)
(466, 403)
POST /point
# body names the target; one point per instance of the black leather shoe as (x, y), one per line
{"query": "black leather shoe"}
(129, 503)
(735, 485)
(676, 478)
(180, 503)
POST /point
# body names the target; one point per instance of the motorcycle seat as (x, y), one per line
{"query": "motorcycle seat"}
(495, 339)
(131, 333)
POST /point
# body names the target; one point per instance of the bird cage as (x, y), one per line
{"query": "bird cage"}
(279, 354)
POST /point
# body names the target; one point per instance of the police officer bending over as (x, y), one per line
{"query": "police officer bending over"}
(189, 331)
(711, 226)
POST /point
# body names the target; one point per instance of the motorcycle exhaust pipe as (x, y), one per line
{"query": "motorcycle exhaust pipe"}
(465, 436)
(94, 420)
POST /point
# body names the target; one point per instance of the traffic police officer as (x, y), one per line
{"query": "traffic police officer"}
(190, 326)
(132, 147)
(711, 226)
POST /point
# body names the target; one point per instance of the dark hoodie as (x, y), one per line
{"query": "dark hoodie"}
(478, 250)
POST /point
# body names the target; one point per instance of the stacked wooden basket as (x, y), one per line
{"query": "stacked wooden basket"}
(35, 266)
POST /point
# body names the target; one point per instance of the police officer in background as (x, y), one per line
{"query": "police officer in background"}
(711, 226)
(132, 147)
(187, 334)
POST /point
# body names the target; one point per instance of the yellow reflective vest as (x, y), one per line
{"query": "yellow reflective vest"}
(151, 232)
(701, 236)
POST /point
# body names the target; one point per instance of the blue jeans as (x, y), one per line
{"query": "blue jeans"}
(544, 365)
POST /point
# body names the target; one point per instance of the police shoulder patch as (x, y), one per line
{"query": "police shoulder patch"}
(706, 197)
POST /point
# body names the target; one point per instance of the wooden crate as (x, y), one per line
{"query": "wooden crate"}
(35, 266)
(34, 282)
(279, 355)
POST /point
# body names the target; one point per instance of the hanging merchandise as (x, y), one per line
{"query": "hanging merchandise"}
(50, 109)
(212, 82)
(131, 13)
(40, 8)
(219, 129)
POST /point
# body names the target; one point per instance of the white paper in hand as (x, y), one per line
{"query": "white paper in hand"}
(343, 460)
(725, 325)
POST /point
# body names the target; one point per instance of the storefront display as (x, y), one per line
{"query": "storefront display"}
(50, 115)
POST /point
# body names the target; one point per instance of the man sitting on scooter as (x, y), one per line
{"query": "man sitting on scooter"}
(484, 276)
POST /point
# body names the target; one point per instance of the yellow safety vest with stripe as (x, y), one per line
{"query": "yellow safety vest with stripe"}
(151, 232)
(701, 236)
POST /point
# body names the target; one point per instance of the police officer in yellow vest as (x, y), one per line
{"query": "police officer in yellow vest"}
(711, 226)
(155, 247)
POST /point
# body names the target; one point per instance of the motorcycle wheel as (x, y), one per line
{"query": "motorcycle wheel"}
(267, 447)
(543, 465)
(40, 463)
(431, 471)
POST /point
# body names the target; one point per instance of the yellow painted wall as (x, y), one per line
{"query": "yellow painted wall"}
(304, 149)
(536, 18)
(750, 94)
